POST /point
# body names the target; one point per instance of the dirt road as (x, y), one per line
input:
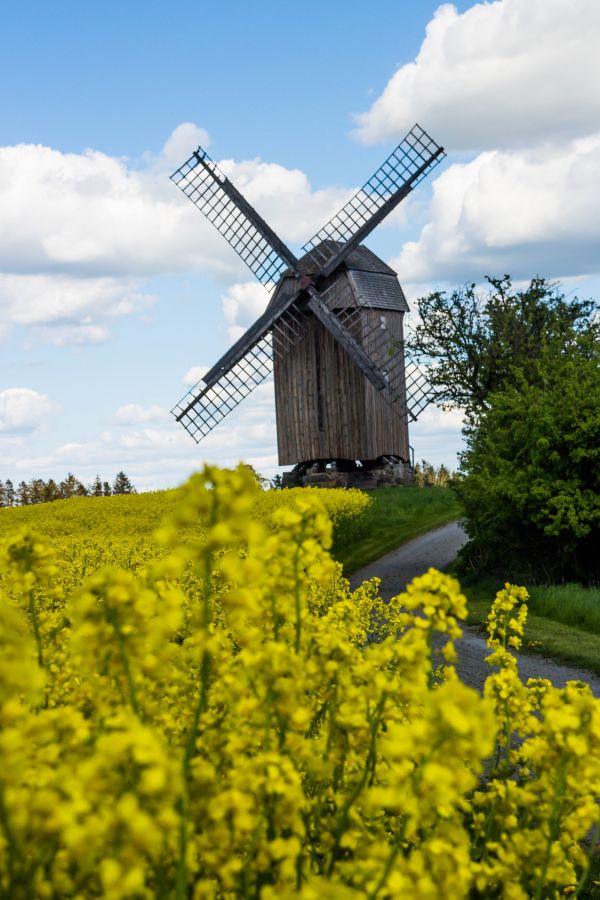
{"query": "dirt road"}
(438, 548)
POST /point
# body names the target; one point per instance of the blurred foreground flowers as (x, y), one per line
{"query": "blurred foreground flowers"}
(212, 723)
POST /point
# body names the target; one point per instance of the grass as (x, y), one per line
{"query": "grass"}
(397, 515)
(563, 620)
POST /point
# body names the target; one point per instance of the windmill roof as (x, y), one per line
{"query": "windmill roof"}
(362, 279)
(360, 259)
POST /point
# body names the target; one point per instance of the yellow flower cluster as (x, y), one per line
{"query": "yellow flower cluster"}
(224, 718)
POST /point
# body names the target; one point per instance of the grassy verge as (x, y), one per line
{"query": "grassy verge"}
(397, 515)
(563, 620)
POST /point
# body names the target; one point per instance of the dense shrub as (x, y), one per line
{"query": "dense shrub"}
(531, 485)
(214, 725)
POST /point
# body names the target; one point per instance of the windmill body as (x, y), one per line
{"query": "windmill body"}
(326, 409)
(333, 332)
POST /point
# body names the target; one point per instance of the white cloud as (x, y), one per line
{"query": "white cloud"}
(193, 375)
(182, 142)
(154, 453)
(81, 233)
(84, 333)
(525, 212)
(23, 410)
(503, 74)
(436, 436)
(242, 305)
(284, 197)
(134, 413)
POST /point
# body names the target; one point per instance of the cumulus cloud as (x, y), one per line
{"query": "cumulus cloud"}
(134, 413)
(242, 305)
(99, 227)
(499, 75)
(436, 436)
(525, 212)
(23, 410)
(182, 142)
(193, 375)
(285, 198)
(155, 452)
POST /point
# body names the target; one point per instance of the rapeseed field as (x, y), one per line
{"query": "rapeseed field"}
(193, 704)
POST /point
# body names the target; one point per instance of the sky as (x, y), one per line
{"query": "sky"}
(116, 294)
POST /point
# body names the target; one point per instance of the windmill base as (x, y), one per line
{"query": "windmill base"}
(386, 471)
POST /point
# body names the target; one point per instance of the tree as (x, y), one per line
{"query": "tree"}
(71, 487)
(52, 490)
(122, 484)
(531, 485)
(473, 344)
(96, 487)
(37, 490)
(426, 475)
(106, 489)
(9, 493)
(23, 494)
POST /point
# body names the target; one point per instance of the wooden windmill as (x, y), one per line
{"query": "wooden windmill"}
(333, 331)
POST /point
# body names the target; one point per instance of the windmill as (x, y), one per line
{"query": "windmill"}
(332, 333)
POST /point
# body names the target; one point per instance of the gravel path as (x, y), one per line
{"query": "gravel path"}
(438, 548)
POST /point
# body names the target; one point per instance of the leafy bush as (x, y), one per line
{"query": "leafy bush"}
(214, 725)
(531, 486)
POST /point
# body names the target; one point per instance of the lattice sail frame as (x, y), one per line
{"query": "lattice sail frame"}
(210, 190)
(201, 180)
(399, 169)
(204, 407)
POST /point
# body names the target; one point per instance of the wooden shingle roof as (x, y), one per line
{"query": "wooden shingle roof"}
(360, 259)
(362, 279)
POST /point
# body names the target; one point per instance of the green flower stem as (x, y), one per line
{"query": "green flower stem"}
(394, 850)
(358, 787)
(190, 747)
(584, 875)
(554, 823)
(297, 598)
(36, 629)
(114, 621)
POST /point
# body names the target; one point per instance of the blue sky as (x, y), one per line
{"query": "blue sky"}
(113, 289)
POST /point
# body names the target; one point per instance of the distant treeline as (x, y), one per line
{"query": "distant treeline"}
(427, 475)
(39, 491)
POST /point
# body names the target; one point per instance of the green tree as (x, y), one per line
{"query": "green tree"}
(531, 485)
(71, 487)
(106, 489)
(96, 487)
(37, 490)
(122, 484)
(23, 494)
(473, 344)
(9, 493)
(52, 491)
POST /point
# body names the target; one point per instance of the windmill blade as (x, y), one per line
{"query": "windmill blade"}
(414, 158)
(210, 190)
(204, 406)
(418, 388)
(239, 371)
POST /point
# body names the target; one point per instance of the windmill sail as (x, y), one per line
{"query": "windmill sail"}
(239, 372)
(414, 158)
(210, 190)
(205, 406)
